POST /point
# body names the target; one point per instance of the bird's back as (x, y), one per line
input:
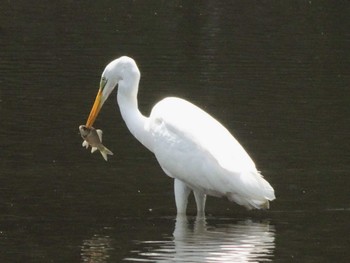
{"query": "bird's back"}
(192, 146)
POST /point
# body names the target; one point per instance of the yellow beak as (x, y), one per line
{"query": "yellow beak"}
(95, 109)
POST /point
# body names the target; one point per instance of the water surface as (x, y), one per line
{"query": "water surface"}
(276, 75)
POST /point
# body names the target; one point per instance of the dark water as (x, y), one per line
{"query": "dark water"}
(275, 74)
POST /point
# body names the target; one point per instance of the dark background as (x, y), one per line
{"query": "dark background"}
(276, 74)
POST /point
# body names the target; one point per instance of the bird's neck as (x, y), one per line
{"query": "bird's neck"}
(135, 121)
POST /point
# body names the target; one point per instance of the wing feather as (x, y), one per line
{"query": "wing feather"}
(192, 146)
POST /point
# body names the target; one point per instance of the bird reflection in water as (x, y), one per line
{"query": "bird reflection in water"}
(244, 241)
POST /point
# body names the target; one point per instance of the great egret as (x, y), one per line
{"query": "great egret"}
(190, 145)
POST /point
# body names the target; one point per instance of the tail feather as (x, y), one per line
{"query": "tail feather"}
(254, 192)
(248, 202)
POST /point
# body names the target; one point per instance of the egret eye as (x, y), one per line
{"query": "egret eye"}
(103, 82)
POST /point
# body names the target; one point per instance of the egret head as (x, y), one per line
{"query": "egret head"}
(119, 71)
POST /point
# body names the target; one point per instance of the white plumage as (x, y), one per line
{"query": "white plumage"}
(190, 145)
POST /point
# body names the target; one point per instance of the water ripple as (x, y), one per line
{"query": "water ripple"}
(244, 241)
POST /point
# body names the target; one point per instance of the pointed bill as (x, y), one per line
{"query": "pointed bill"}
(95, 109)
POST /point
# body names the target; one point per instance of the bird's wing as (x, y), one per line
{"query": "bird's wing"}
(190, 123)
(192, 146)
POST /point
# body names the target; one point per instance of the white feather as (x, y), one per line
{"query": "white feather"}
(189, 144)
(194, 147)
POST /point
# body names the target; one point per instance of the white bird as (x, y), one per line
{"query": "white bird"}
(192, 147)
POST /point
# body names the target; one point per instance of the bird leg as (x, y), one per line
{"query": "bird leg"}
(200, 201)
(181, 191)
